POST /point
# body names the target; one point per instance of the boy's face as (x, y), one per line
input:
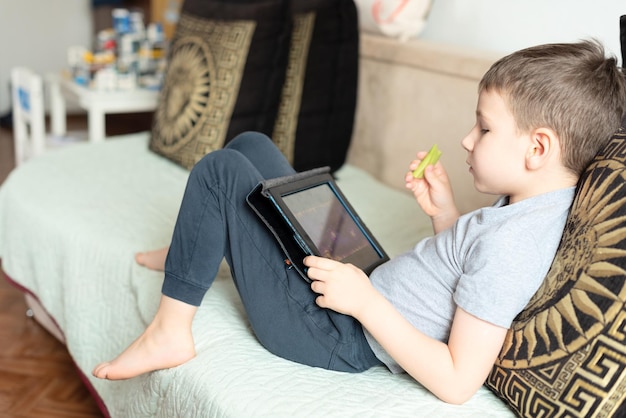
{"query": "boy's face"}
(496, 150)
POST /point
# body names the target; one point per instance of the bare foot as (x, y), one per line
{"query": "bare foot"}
(166, 343)
(154, 260)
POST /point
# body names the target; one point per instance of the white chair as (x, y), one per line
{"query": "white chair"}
(28, 114)
(29, 121)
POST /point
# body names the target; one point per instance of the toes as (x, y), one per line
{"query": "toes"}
(100, 371)
(140, 259)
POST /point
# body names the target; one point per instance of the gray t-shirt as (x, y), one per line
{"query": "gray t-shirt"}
(489, 263)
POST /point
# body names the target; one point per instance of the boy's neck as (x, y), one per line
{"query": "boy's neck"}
(545, 182)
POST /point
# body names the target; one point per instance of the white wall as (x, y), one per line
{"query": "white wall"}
(507, 25)
(36, 33)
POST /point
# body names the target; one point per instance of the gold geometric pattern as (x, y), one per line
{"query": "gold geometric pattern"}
(284, 134)
(565, 354)
(201, 86)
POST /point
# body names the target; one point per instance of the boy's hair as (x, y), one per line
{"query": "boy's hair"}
(571, 88)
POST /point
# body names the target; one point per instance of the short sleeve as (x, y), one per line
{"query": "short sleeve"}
(500, 275)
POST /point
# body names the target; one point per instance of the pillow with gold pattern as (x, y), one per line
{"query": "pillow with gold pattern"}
(316, 115)
(565, 354)
(226, 67)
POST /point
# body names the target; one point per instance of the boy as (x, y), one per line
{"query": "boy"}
(440, 311)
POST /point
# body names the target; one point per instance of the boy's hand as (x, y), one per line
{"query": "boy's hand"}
(433, 193)
(343, 288)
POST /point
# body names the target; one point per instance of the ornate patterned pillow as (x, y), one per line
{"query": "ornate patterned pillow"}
(226, 68)
(565, 354)
(285, 68)
(316, 116)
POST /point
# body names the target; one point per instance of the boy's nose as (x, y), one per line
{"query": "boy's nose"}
(468, 142)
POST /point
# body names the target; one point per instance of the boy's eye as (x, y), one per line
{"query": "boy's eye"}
(484, 131)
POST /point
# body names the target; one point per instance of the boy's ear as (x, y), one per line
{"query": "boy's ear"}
(544, 145)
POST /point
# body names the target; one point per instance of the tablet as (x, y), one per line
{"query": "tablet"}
(322, 222)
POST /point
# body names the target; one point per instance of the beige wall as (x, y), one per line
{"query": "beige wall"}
(412, 95)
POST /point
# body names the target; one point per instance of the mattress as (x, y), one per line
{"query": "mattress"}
(70, 224)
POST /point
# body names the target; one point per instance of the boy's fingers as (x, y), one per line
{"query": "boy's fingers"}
(431, 174)
(309, 261)
(318, 262)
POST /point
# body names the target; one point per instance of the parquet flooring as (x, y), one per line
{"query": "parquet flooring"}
(37, 375)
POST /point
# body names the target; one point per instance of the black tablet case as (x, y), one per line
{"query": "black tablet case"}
(259, 200)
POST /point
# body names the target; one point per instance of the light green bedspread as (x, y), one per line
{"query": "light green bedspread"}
(70, 223)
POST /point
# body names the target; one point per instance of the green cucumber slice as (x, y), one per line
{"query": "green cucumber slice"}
(430, 159)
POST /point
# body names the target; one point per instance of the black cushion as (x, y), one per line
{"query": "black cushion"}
(622, 38)
(288, 69)
(565, 354)
(226, 67)
(316, 118)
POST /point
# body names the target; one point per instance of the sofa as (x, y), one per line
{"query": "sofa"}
(72, 219)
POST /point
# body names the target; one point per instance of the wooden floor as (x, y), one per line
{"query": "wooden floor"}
(37, 375)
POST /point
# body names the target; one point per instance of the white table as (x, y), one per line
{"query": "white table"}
(96, 103)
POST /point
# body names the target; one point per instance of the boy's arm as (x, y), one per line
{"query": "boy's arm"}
(433, 193)
(453, 372)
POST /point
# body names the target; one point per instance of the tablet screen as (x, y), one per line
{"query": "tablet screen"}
(331, 228)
